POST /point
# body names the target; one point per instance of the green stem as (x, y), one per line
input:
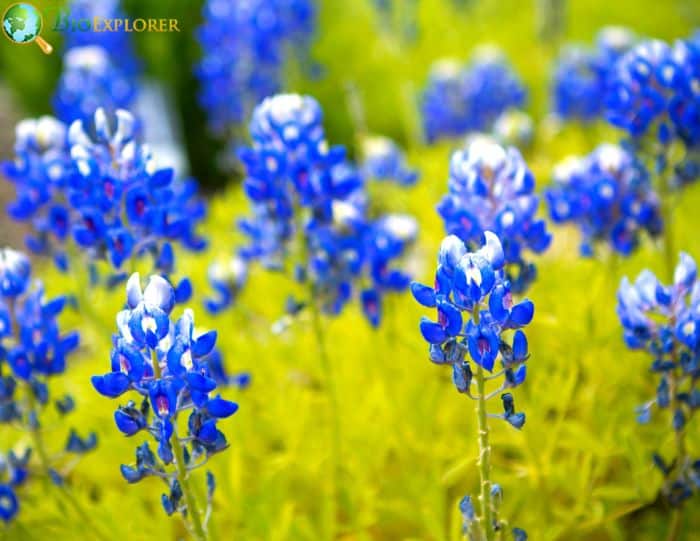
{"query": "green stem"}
(182, 474)
(190, 497)
(329, 381)
(37, 440)
(674, 530)
(484, 448)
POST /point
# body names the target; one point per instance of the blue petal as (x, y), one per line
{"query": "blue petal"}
(432, 332)
(204, 344)
(425, 295)
(520, 347)
(218, 407)
(522, 313)
(111, 385)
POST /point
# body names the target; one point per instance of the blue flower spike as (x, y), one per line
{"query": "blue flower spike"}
(608, 195)
(174, 370)
(664, 321)
(478, 328)
(95, 186)
(34, 352)
(492, 189)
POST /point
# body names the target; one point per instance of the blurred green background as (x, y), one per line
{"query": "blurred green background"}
(579, 470)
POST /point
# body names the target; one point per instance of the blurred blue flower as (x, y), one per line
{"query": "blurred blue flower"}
(664, 320)
(581, 75)
(459, 99)
(98, 186)
(653, 90)
(492, 189)
(608, 195)
(310, 212)
(226, 279)
(34, 350)
(89, 81)
(117, 43)
(384, 160)
(246, 46)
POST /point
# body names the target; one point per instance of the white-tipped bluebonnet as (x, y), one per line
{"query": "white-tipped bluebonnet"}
(476, 315)
(165, 362)
(492, 189)
(664, 321)
(653, 90)
(97, 185)
(608, 195)
(246, 45)
(478, 322)
(34, 350)
(309, 211)
(459, 99)
(384, 160)
(90, 81)
(581, 75)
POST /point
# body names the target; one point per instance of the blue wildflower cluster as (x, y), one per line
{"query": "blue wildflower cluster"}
(166, 363)
(473, 286)
(581, 75)
(309, 210)
(90, 81)
(663, 320)
(245, 46)
(608, 195)
(459, 99)
(491, 188)
(383, 160)
(97, 185)
(653, 90)
(32, 350)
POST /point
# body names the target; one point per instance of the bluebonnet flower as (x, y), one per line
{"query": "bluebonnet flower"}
(165, 362)
(246, 46)
(459, 99)
(664, 321)
(90, 81)
(581, 75)
(653, 90)
(478, 324)
(387, 241)
(310, 211)
(227, 279)
(34, 350)
(491, 188)
(117, 43)
(99, 186)
(608, 195)
(384, 160)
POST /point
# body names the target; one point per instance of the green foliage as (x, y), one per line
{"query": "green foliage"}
(579, 470)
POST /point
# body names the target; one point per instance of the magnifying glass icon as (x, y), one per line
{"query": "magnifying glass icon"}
(22, 24)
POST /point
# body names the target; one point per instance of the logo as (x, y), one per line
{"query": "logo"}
(22, 24)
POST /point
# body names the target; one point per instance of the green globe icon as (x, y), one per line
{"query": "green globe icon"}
(22, 23)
